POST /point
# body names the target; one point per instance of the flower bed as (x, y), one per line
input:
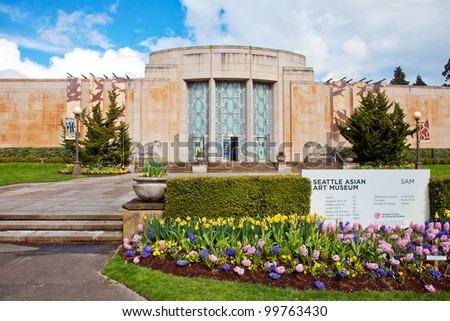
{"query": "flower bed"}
(95, 170)
(283, 247)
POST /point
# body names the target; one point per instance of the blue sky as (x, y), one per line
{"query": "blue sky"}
(351, 38)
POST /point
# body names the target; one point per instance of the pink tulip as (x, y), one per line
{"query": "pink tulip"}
(394, 262)
(316, 255)
(419, 250)
(446, 226)
(238, 270)
(140, 227)
(213, 258)
(299, 268)
(336, 258)
(280, 269)
(260, 244)
(430, 288)
(162, 244)
(246, 263)
(303, 250)
(136, 260)
(409, 257)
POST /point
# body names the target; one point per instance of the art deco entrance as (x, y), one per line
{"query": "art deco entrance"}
(231, 118)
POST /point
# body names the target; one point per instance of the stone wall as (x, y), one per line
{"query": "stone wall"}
(156, 106)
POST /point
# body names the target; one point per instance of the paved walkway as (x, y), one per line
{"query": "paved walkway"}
(90, 195)
(59, 273)
(69, 273)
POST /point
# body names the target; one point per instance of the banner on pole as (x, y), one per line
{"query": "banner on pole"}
(70, 128)
(424, 131)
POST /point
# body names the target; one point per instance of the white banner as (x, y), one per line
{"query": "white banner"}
(222, 310)
(388, 197)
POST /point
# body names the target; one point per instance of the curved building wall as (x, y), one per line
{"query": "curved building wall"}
(213, 98)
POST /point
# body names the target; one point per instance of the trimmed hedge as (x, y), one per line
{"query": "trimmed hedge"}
(439, 193)
(34, 154)
(428, 156)
(238, 196)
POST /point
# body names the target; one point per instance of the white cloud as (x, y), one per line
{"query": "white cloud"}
(124, 61)
(113, 7)
(350, 36)
(155, 44)
(75, 27)
(11, 64)
(14, 12)
(355, 48)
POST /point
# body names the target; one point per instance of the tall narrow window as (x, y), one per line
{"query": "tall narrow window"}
(198, 117)
(262, 119)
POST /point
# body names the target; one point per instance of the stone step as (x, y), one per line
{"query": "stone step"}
(60, 225)
(60, 237)
(60, 217)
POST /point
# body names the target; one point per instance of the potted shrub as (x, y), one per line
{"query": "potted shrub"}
(281, 157)
(200, 156)
(150, 186)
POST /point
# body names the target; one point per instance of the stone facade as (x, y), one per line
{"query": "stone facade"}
(215, 98)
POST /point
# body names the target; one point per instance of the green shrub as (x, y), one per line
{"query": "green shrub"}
(439, 193)
(34, 155)
(214, 197)
(430, 156)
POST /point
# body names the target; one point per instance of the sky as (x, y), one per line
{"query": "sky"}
(342, 38)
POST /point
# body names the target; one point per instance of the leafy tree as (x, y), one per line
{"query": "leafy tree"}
(399, 77)
(377, 135)
(446, 72)
(419, 81)
(107, 140)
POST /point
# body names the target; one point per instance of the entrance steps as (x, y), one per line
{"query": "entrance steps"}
(250, 167)
(60, 228)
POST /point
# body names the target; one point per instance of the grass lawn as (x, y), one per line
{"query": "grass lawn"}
(14, 173)
(157, 286)
(438, 170)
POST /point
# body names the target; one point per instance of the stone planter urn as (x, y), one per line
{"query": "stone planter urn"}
(281, 159)
(150, 189)
(200, 159)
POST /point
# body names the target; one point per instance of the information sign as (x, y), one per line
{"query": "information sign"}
(388, 197)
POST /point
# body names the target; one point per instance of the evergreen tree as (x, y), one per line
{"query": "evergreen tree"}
(399, 77)
(419, 81)
(376, 135)
(107, 140)
(446, 72)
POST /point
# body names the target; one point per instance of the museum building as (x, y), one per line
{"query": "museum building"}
(235, 103)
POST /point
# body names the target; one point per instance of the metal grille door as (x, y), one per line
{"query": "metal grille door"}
(198, 117)
(262, 118)
(231, 111)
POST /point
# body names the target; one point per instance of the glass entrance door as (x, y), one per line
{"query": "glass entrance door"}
(231, 118)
